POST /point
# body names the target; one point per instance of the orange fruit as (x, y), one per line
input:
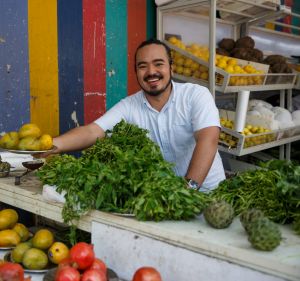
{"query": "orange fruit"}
(58, 252)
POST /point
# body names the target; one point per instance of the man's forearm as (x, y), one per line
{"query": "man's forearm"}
(78, 138)
(204, 154)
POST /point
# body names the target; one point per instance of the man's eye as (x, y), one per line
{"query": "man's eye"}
(141, 66)
(159, 64)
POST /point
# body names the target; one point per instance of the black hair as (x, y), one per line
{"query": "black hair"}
(156, 42)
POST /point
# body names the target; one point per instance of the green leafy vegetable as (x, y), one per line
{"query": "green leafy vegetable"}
(124, 172)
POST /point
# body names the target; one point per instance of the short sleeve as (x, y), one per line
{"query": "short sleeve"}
(113, 116)
(204, 111)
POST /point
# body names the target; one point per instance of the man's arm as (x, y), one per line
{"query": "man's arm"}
(78, 138)
(204, 153)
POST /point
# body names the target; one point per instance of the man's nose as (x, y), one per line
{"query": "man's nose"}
(151, 69)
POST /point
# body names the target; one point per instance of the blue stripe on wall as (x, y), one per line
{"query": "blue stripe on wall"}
(14, 73)
(116, 51)
(70, 64)
(151, 19)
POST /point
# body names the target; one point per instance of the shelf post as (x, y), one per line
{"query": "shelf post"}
(241, 110)
(212, 46)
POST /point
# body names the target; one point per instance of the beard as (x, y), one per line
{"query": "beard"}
(155, 93)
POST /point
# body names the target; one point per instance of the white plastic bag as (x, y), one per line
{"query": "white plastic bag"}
(51, 195)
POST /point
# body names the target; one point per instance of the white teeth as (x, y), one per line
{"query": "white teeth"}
(153, 80)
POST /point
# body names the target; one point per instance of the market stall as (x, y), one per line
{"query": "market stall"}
(180, 250)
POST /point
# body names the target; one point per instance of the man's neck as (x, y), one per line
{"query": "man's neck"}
(158, 102)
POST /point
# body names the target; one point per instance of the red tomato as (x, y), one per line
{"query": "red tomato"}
(11, 272)
(82, 254)
(93, 275)
(99, 265)
(146, 274)
(67, 273)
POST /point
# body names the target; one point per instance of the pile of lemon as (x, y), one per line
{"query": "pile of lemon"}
(28, 137)
(251, 131)
(188, 67)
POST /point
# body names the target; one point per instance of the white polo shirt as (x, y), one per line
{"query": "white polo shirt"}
(190, 108)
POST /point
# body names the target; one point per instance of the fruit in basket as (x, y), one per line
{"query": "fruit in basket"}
(35, 259)
(10, 140)
(18, 252)
(99, 265)
(264, 234)
(8, 218)
(12, 272)
(43, 239)
(9, 237)
(247, 217)
(93, 275)
(146, 273)
(245, 42)
(22, 230)
(45, 142)
(219, 214)
(58, 252)
(29, 130)
(227, 44)
(67, 273)
(29, 143)
(82, 254)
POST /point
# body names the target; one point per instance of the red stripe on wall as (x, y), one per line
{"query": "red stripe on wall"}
(137, 20)
(94, 59)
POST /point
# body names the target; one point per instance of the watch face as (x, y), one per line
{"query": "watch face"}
(193, 184)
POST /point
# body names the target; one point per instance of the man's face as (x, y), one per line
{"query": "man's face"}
(153, 69)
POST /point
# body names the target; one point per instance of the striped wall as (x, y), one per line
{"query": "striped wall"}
(64, 63)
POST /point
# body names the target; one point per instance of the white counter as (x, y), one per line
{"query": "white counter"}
(125, 243)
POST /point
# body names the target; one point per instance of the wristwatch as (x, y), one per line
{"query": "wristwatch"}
(193, 184)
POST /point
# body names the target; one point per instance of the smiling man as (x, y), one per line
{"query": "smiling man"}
(181, 118)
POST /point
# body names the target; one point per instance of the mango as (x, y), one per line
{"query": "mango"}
(10, 140)
(22, 230)
(43, 239)
(29, 143)
(45, 142)
(29, 130)
(35, 259)
(8, 218)
(9, 237)
(18, 252)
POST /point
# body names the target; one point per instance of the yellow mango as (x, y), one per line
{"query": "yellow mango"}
(8, 218)
(29, 130)
(9, 237)
(10, 140)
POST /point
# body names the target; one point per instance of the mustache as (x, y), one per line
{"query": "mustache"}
(158, 76)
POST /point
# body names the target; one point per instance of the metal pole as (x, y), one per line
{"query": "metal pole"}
(212, 45)
(241, 110)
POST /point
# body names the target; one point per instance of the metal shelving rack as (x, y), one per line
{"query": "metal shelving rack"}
(241, 14)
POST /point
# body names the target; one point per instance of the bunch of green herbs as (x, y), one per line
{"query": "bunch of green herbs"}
(274, 189)
(125, 173)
